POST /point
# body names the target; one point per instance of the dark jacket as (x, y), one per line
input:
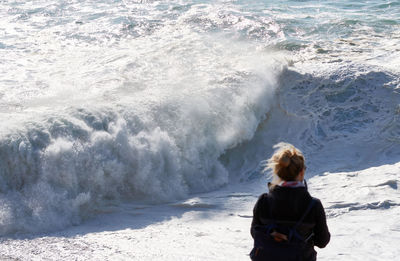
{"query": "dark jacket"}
(289, 204)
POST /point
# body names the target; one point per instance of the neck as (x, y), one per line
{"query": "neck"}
(292, 184)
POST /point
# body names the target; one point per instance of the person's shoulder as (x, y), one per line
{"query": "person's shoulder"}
(263, 199)
(262, 203)
(317, 203)
(317, 200)
(263, 196)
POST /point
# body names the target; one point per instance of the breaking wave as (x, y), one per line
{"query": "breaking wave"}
(151, 102)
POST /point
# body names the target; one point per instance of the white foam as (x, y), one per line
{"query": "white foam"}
(338, 112)
(362, 215)
(153, 133)
(128, 101)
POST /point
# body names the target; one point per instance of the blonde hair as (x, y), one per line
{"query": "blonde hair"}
(286, 162)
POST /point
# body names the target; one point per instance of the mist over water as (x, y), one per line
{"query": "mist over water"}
(146, 100)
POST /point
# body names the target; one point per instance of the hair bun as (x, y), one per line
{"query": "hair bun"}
(284, 160)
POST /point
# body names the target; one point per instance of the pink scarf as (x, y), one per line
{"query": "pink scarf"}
(292, 184)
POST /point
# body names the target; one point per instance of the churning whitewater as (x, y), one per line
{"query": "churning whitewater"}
(149, 101)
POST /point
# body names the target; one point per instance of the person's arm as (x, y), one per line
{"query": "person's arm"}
(256, 217)
(321, 232)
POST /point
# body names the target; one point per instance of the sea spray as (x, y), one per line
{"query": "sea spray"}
(154, 144)
(151, 101)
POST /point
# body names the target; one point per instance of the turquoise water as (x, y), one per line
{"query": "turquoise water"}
(304, 21)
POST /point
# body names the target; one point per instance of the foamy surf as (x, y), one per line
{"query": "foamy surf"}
(155, 140)
(362, 209)
(109, 107)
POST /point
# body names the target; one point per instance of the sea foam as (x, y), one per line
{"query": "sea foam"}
(153, 142)
(152, 101)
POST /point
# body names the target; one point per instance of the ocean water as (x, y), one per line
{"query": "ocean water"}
(103, 102)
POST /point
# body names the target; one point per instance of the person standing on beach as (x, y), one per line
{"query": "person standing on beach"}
(287, 203)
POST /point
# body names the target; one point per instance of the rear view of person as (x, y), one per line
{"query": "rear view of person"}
(287, 221)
